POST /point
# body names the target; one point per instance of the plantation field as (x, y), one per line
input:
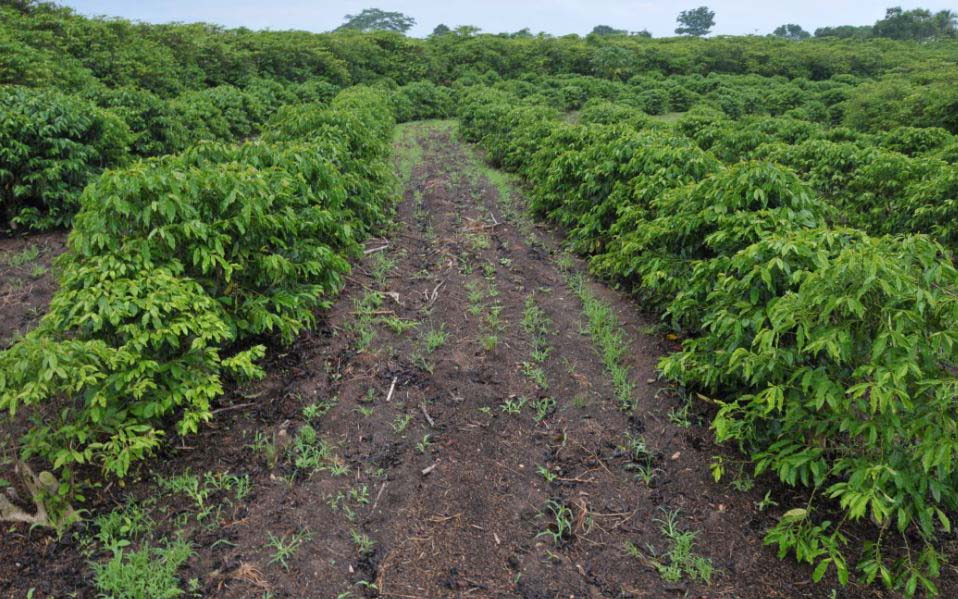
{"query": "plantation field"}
(357, 314)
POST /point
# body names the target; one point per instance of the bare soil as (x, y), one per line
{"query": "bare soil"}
(26, 281)
(464, 513)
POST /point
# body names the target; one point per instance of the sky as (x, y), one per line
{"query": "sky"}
(733, 17)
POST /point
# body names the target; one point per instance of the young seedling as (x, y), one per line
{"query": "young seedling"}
(401, 422)
(489, 342)
(679, 416)
(363, 543)
(543, 407)
(267, 446)
(284, 548)
(382, 264)
(547, 474)
(513, 405)
(424, 445)
(559, 530)
(606, 333)
(678, 561)
(436, 338)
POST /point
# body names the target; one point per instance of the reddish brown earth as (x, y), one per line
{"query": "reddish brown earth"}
(463, 516)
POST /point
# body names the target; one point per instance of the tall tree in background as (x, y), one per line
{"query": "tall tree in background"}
(845, 31)
(373, 19)
(441, 29)
(697, 21)
(791, 31)
(607, 30)
(918, 24)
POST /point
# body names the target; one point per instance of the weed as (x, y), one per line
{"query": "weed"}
(148, 572)
(560, 517)
(680, 416)
(536, 374)
(636, 447)
(493, 320)
(118, 527)
(535, 321)
(606, 333)
(24, 256)
(435, 338)
(423, 445)
(565, 262)
(543, 407)
(200, 492)
(363, 543)
(267, 446)
(478, 241)
(766, 502)
(422, 362)
(318, 410)
(547, 474)
(309, 452)
(284, 548)
(678, 561)
(401, 422)
(382, 264)
(398, 325)
(513, 405)
(359, 495)
(642, 461)
(743, 483)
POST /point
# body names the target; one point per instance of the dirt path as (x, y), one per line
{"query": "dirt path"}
(486, 472)
(453, 430)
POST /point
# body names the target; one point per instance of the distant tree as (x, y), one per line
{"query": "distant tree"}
(466, 30)
(791, 31)
(607, 30)
(643, 33)
(522, 33)
(441, 29)
(845, 31)
(373, 19)
(918, 24)
(697, 21)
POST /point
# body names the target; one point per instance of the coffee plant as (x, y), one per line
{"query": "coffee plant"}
(178, 267)
(830, 352)
(51, 146)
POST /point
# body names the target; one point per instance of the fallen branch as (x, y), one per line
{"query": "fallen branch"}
(374, 250)
(233, 407)
(378, 495)
(432, 297)
(392, 388)
(432, 423)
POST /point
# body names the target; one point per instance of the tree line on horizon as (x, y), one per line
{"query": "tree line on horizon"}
(916, 25)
